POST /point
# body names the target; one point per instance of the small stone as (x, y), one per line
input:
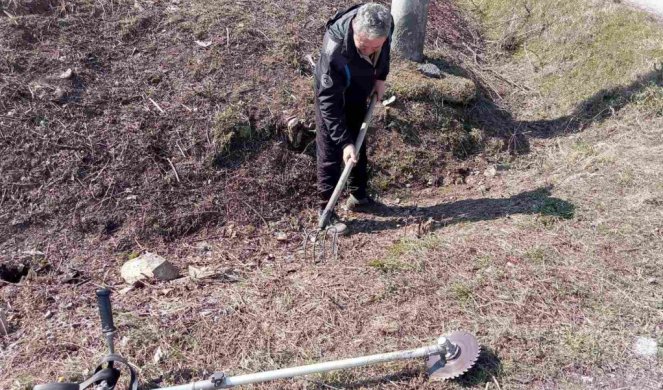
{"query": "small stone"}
(430, 70)
(67, 74)
(204, 247)
(645, 346)
(203, 43)
(281, 236)
(158, 355)
(48, 315)
(652, 281)
(490, 172)
(148, 266)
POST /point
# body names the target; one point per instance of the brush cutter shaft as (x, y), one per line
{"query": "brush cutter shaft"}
(348, 167)
(259, 377)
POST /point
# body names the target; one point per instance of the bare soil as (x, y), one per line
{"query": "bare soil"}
(158, 143)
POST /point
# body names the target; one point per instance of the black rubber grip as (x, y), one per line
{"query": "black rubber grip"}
(105, 311)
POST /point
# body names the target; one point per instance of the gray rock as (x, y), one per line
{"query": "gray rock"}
(645, 346)
(148, 266)
(158, 356)
(430, 70)
(490, 172)
(67, 74)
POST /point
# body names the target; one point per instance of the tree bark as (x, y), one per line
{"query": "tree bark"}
(410, 28)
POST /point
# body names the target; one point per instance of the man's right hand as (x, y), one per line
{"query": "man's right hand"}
(349, 154)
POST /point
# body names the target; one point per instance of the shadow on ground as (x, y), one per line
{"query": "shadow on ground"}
(538, 202)
(596, 109)
(406, 375)
(488, 368)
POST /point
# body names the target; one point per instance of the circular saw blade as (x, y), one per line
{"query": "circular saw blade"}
(439, 369)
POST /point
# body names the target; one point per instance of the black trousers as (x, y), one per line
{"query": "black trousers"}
(330, 156)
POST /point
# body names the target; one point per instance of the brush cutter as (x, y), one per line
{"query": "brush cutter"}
(450, 357)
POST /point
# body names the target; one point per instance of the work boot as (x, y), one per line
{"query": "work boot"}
(335, 224)
(358, 204)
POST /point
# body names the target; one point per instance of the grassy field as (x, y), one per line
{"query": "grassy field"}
(547, 245)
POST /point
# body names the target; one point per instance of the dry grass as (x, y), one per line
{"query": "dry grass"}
(570, 50)
(554, 263)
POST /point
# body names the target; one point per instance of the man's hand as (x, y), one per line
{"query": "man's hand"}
(379, 89)
(349, 154)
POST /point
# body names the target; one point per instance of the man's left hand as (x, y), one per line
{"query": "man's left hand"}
(379, 89)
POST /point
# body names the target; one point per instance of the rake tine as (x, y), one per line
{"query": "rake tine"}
(307, 236)
(323, 247)
(325, 242)
(319, 245)
(335, 245)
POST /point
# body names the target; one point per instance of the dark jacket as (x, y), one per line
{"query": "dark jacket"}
(343, 79)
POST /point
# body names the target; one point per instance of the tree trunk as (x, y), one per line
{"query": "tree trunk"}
(410, 28)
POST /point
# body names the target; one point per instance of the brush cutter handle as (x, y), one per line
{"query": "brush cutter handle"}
(105, 310)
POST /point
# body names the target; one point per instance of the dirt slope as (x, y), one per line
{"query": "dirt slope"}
(172, 121)
(551, 258)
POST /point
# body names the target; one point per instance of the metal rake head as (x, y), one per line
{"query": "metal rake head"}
(324, 243)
